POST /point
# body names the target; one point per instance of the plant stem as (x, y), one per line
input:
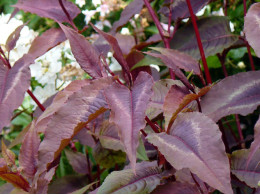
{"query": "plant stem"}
(247, 44)
(153, 126)
(36, 100)
(203, 58)
(240, 131)
(222, 62)
(89, 168)
(68, 15)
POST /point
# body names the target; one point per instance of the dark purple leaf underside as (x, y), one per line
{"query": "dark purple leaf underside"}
(13, 85)
(85, 54)
(132, 9)
(49, 9)
(252, 27)
(195, 143)
(128, 111)
(180, 9)
(215, 36)
(46, 41)
(237, 94)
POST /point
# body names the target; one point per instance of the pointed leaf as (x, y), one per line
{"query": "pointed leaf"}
(255, 145)
(126, 42)
(49, 9)
(147, 177)
(177, 188)
(8, 155)
(84, 52)
(195, 143)
(78, 161)
(251, 174)
(84, 189)
(20, 137)
(129, 11)
(252, 27)
(13, 38)
(13, 85)
(181, 60)
(128, 111)
(46, 41)
(118, 54)
(29, 152)
(160, 90)
(237, 94)
(180, 9)
(80, 108)
(16, 179)
(215, 36)
(172, 101)
(170, 63)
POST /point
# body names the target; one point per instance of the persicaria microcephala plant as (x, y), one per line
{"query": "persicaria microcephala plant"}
(139, 129)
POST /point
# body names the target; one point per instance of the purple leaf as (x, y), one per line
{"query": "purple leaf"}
(13, 85)
(19, 138)
(180, 9)
(78, 161)
(37, 112)
(172, 101)
(128, 111)
(118, 54)
(170, 63)
(46, 41)
(129, 11)
(80, 108)
(177, 188)
(237, 94)
(85, 54)
(215, 36)
(181, 60)
(126, 42)
(147, 177)
(85, 138)
(160, 90)
(29, 152)
(251, 174)
(49, 9)
(252, 27)
(13, 38)
(195, 143)
(255, 145)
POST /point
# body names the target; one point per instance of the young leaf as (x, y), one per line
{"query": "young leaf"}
(85, 54)
(252, 27)
(80, 108)
(181, 60)
(177, 188)
(46, 41)
(251, 174)
(180, 9)
(13, 38)
(118, 54)
(195, 142)
(128, 111)
(255, 145)
(49, 9)
(13, 85)
(172, 101)
(237, 94)
(29, 152)
(160, 90)
(147, 177)
(215, 36)
(8, 155)
(78, 161)
(133, 8)
(171, 64)
(16, 179)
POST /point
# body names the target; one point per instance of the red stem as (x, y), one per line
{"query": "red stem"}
(36, 100)
(153, 126)
(203, 58)
(245, 10)
(240, 131)
(68, 15)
